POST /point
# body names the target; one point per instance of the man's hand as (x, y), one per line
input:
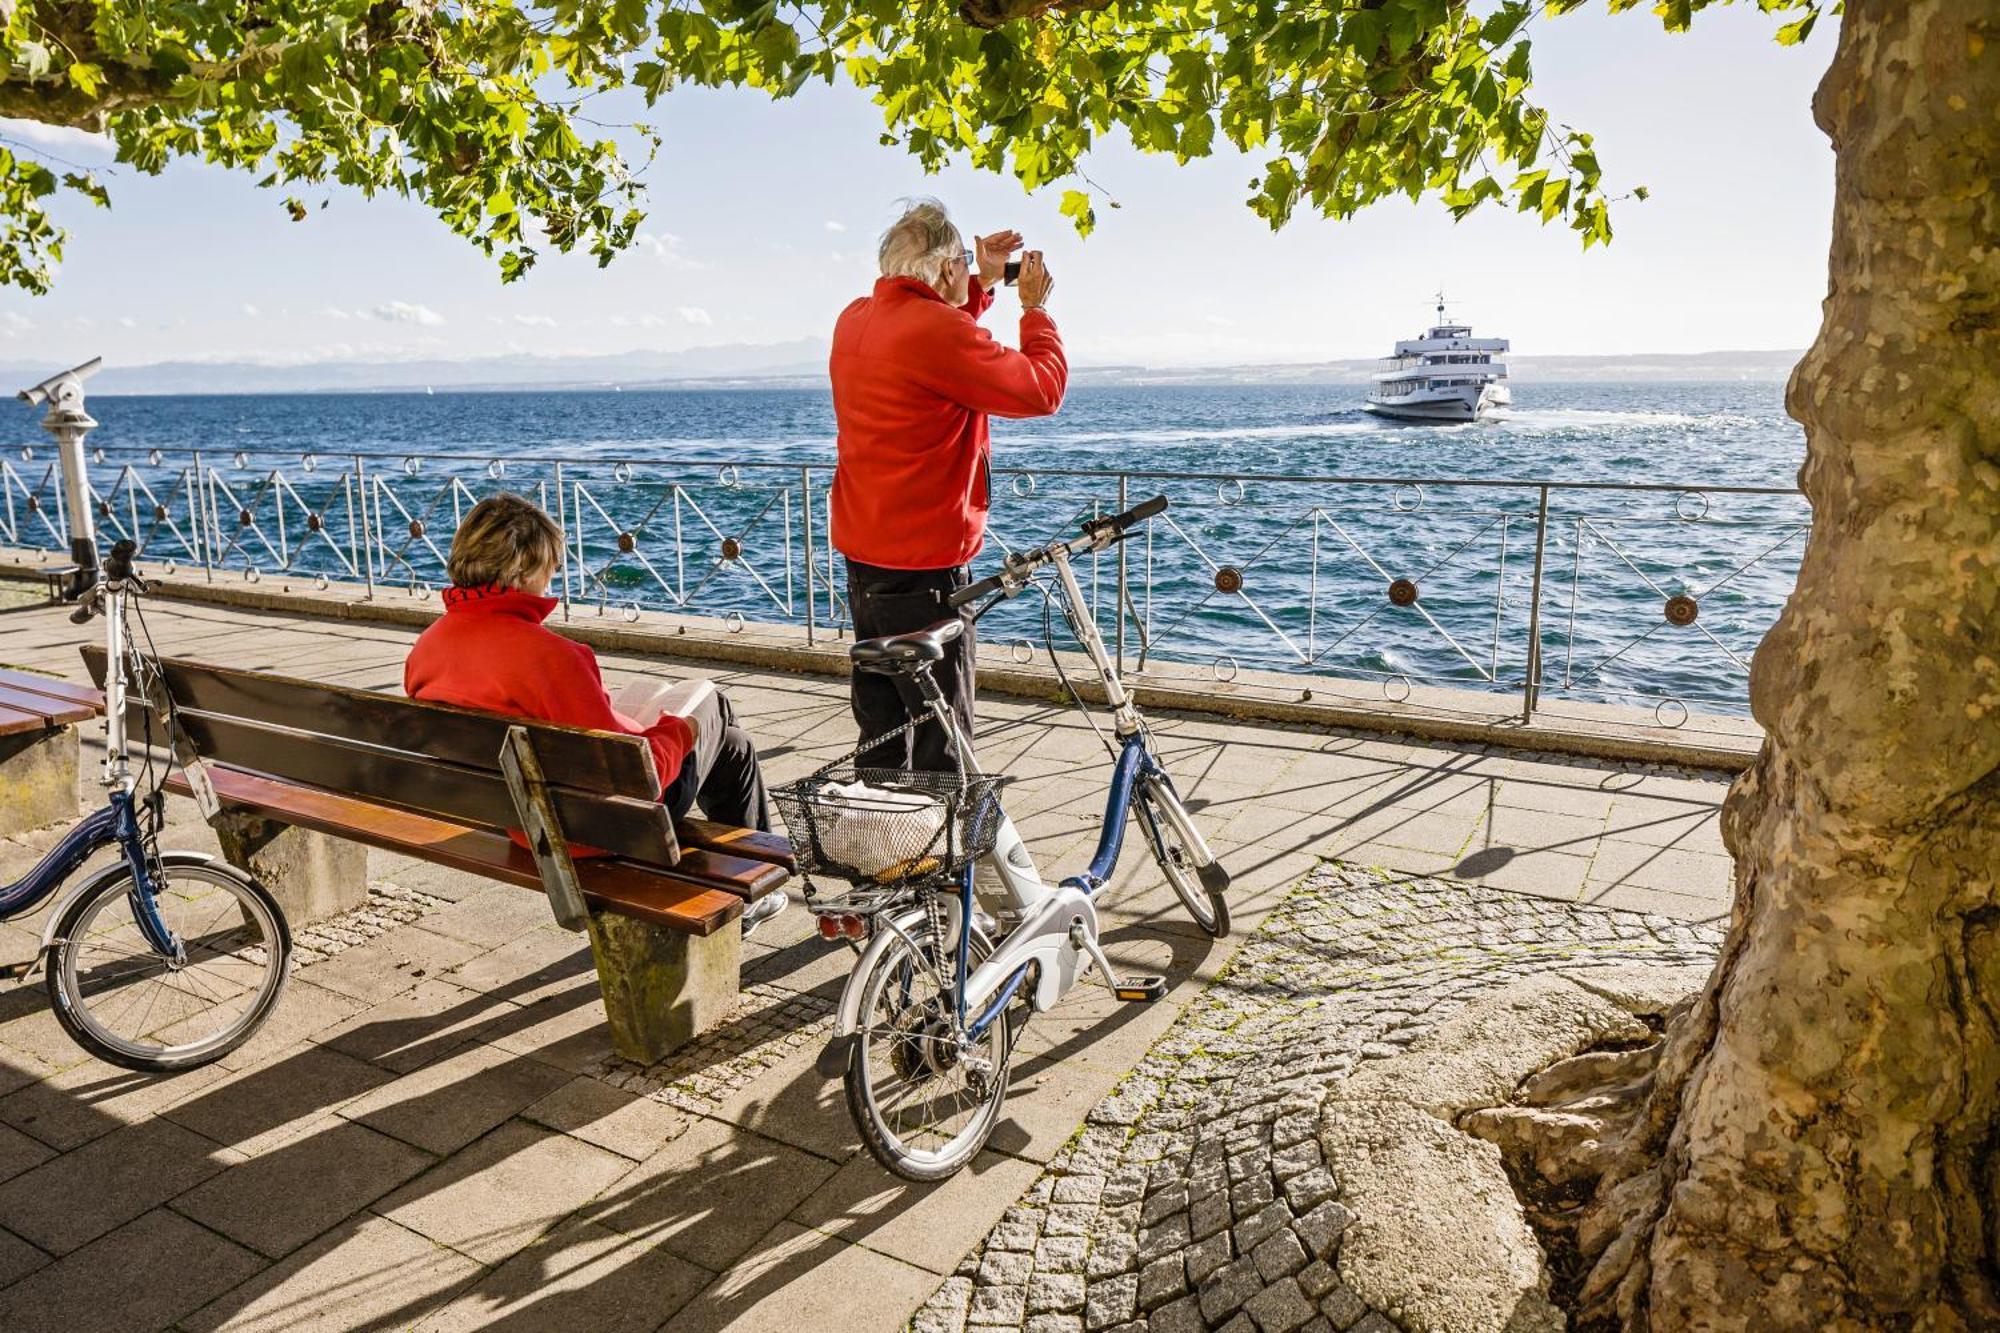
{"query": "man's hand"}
(1036, 284)
(993, 252)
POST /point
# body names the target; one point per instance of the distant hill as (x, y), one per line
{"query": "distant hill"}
(802, 364)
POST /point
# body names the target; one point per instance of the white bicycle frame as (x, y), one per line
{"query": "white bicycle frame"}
(1055, 925)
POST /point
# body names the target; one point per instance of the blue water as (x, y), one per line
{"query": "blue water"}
(1304, 565)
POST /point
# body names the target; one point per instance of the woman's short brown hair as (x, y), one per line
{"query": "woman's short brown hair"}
(505, 542)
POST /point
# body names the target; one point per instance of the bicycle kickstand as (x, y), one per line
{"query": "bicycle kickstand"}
(1136, 989)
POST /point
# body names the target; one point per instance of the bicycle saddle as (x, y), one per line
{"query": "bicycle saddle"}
(894, 651)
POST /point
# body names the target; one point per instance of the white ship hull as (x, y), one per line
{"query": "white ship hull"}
(1457, 404)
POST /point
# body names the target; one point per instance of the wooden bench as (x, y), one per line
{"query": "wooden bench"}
(307, 773)
(39, 748)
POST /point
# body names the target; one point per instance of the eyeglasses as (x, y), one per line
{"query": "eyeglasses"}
(969, 258)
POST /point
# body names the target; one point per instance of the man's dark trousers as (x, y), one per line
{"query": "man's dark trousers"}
(897, 601)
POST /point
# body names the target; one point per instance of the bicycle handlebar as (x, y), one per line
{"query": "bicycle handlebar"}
(1097, 534)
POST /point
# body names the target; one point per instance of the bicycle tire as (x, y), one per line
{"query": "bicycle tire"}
(863, 1104)
(80, 1003)
(1200, 888)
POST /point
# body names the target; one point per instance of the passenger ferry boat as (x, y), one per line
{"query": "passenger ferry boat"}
(1446, 375)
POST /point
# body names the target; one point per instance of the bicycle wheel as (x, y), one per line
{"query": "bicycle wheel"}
(1199, 888)
(125, 1003)
(924, 1101)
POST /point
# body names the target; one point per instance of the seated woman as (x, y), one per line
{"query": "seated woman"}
(490, 650)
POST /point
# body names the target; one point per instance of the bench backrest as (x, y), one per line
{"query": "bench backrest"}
(428, 757)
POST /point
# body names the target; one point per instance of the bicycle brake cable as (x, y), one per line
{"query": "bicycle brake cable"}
(1049, 642)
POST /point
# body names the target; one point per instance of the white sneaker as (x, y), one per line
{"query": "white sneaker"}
(766, 907)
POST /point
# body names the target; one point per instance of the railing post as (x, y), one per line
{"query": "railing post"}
(1532, 684)
(562, 523)
(367, 530)
(812, 575)
(199, 511)
(1118, 602)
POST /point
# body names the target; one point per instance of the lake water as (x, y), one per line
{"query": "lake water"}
(1250, 573)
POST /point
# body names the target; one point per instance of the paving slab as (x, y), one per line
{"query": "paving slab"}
(277, 1202)
(617, 1121)
(444, 1106)
(73, 1199)
(578, 1277)
(798, 1278)
(138, 1279)
(501, 1193)
(255, 1110)
(372, 1275)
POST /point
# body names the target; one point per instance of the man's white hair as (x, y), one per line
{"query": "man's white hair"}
(921, 243)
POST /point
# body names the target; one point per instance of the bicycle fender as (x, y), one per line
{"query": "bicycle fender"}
(832, 1061)
(99, 877)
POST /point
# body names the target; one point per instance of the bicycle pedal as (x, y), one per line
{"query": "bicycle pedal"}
(1140, 990)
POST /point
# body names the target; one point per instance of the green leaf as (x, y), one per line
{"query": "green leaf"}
(1076, 207)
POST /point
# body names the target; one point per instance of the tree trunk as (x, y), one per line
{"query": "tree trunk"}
(1821, 1146)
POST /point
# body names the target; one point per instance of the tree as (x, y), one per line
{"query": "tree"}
(487, 110)
(1815, 1143)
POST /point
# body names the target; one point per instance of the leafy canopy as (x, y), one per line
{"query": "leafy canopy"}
(481, 109)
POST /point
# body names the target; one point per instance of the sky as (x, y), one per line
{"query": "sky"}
(764, 216)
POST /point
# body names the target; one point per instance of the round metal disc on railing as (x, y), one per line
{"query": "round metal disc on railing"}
(319, 582)
(732, 549)
(729, 475)
(27, 453)
(1022, 650)
(1682, 610)
(241, 459)
(104, 509)
(733, 621)
(159, 513)
(310, 462)
(244, 518)
(1682, 506)
(97, 456)
(631, 612)
(1670, 708)
(1229, 579)
(628, 542)
(250, 575)
(622, 473)
(1223, 668)
(154, 456)
(1023, 484)
(1403, 592)
(34, 504)
(1225, 496)
(1406, 499)
(497, 468)
(416, 528)
(1396, 688)
(412, 466)
(314, 523)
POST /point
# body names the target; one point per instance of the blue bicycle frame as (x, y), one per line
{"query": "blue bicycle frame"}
(117, 822)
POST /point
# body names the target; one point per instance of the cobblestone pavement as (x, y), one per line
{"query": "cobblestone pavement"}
(1195, 1196)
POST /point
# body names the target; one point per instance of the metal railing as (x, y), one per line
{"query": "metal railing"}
(1652, 594)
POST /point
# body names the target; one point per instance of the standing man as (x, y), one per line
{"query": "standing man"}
(914, 379)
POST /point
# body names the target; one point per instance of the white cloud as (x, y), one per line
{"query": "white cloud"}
(694, 314)
(13, 324)
(52, 136)
(127, 322)
(251, 310)
(403, 312)
(535, 321)
(334, 312)
(666, 247)
(835, 226)
(646, 321)
(81, 323)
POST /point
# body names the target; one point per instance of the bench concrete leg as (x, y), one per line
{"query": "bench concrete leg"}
(38, 774)
(662, 988)
(311, 874)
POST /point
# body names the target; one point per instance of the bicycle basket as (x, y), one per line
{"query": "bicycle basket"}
(875, 827)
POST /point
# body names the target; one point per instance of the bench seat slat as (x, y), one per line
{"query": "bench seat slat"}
(14, 723)
(658, 896)
(80, 696)
(57, 712)
(706, 835)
